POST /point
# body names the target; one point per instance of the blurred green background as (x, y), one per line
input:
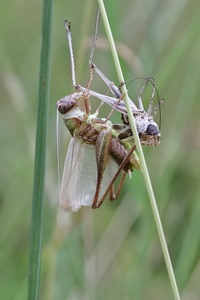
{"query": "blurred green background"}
(113, 252)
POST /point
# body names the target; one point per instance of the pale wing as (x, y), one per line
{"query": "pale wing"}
(79, 176)
(79, 179)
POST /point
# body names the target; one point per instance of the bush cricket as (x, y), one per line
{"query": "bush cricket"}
(147, 128)
(99, 151)
(95, 157)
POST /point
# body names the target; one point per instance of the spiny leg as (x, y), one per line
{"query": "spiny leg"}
(118, 103)
(121, 167)
(95, 35)
(113, 88)
(67, 25)
(114, 195)
(102, 156)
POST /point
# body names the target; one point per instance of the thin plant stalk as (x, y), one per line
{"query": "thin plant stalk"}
(140, 153)
(40, 154)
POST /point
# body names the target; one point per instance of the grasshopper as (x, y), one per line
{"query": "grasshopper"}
(147, 128)
(100, 151)
(95, 157)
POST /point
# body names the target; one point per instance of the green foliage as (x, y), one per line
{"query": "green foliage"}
(40, 155)
(113, 252)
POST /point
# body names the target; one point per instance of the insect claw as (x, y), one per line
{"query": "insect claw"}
(67, 25)
(92, 66)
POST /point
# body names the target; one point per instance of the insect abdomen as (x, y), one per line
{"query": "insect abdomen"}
(119, 153)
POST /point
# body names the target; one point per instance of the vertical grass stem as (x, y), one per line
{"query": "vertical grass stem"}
(141, 155)
(40, 154)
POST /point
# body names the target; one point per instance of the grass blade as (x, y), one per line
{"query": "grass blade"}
(40, 154)
(141, 155)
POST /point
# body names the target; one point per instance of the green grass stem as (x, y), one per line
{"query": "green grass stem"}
(141, 155)
(40, 154)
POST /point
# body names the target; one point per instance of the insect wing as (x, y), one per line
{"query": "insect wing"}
(76, 186)
(79, 179)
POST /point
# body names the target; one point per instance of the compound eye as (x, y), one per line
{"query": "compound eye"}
(152, 130)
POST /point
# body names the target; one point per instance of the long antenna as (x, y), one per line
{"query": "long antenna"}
(67, 25)
(95, 35)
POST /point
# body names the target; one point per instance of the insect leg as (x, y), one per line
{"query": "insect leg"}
(114, 195)
(113, 102)
(67, 25)
(117, 94)
(102, 156)
(116, 176)
(94, 40)
(113, 88)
